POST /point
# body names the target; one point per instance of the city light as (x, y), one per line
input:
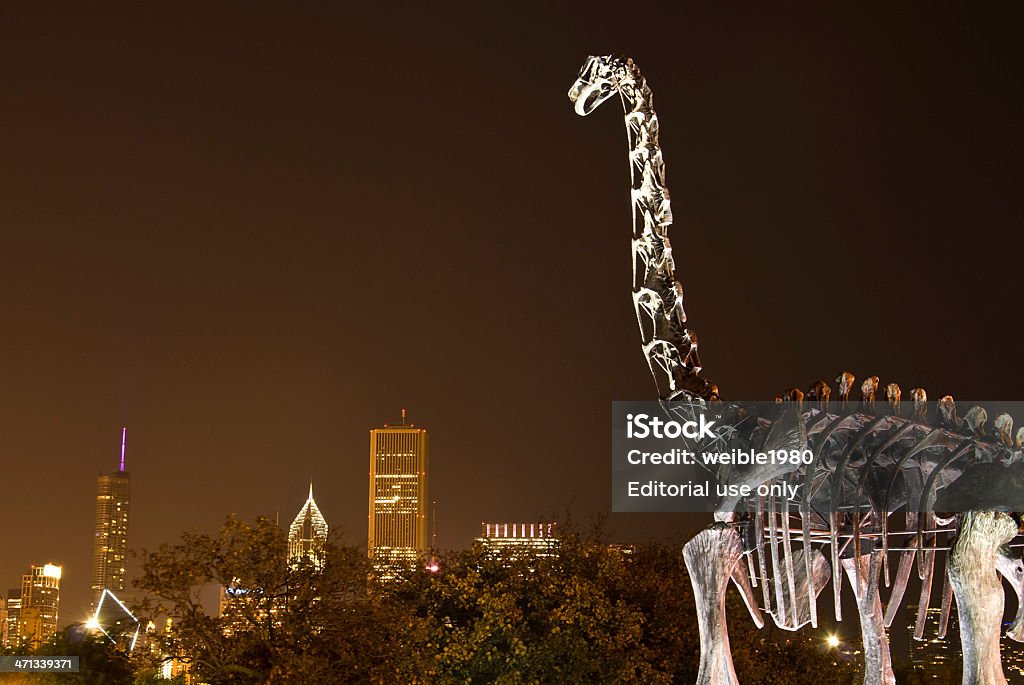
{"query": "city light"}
(51, 571)
(112, 623)
(832, 641)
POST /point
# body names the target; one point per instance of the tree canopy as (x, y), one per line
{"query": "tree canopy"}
(592, 613)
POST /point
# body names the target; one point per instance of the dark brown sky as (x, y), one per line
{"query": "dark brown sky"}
(253, 232)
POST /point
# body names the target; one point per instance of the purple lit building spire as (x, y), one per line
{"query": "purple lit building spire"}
(110, 542)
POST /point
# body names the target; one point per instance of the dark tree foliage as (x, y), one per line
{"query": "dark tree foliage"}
(590, 614)
(593, 614)
(302, 623)
(99, 662)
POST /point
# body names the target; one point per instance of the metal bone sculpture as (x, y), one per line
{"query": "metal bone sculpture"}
(887, 458)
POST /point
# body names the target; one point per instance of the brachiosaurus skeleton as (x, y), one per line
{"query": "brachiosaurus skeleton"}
(916, 460)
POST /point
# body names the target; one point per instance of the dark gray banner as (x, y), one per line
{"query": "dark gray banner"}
(819, 457)
(38, 664)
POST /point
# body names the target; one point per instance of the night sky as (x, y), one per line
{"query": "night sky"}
(251, 232)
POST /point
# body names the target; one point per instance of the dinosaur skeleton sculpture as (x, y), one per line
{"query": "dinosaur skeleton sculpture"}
(880, 455)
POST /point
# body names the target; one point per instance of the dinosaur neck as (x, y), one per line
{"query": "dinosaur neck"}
(670, 348)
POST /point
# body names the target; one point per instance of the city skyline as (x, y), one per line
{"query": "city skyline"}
(252, 237)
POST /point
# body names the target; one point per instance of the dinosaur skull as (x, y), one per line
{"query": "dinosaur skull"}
(595, 84)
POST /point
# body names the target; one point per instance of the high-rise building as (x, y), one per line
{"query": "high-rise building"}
(12, 618)
(40, 602)
(244, 608)
(110, 545)
(308, 532)
(398, 494)
(3, 622)
(174, 665)
(510, 539)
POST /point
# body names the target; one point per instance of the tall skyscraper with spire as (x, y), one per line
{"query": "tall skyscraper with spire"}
(398, 494)
(308, 532)
(110, 545)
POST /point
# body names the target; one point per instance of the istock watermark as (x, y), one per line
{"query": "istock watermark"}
(816, 457)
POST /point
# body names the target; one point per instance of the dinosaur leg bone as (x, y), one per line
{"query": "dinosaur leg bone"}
(979, 592)
(712, 558)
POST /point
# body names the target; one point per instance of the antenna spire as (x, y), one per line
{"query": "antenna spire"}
(124, 435)
(310, 488)
(403, 416)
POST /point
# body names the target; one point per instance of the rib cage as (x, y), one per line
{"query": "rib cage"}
(875, 456)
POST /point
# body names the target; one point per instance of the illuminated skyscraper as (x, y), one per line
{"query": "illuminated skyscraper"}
(40, 601)
(110, 545)
(512, 539)
(398, 494)
(308, 532)
(10, 616)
